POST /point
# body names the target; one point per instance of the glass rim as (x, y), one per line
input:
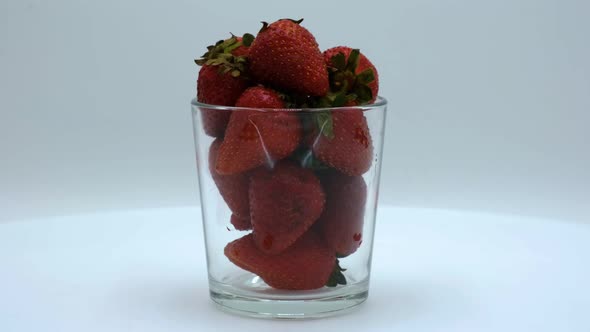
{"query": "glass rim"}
(379, 102)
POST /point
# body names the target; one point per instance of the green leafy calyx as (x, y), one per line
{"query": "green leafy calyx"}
(247, 39)
(221, 55)
(324, 123)
(337, 277)
(346, 85)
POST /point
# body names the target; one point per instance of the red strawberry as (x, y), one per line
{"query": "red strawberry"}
(260, 97)
(307, 264)
(352, 74)
(285, 55)
(233, 188)
(241, 224)
(341, 224)
(254, 138)
(342, 140)
(220, 81)
(284, 203)
(217, 89)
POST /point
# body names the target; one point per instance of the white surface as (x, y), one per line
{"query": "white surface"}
(433, 270)
(489, 103)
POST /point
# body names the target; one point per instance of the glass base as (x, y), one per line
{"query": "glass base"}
(251, 297)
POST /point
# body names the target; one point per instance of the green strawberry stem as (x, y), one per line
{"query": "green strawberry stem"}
(265, 24)
(337, 277)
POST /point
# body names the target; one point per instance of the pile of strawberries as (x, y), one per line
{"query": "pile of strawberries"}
(294, 178)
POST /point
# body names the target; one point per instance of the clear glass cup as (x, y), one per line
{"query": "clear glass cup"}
(332, 141)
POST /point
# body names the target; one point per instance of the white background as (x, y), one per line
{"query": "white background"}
(489, 100)
(433, 270)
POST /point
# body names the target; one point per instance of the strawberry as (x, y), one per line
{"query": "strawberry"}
(284, 203)
(217, 89)
(220, 80)
(285, 55)
(241, 224)
(352, 75)
(341, 139)
(307, 264)
(341, 224)
(260, 97)
(233, 188)
(253, 137)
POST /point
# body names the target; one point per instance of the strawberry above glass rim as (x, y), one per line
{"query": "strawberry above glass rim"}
(289, 142)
